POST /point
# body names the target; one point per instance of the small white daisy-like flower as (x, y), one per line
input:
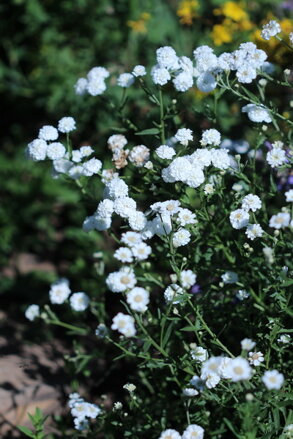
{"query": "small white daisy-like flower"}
(193, 431)
(81, 86)
(257, 113)
(184, 135)
(37, 150)
(139, 155)
(141, 251)
(284, 338)
(238, 369)
(93, 411)
(189, 391)
(273, 379)
(170, 434)
(270, 29)
(255, 358)
(246, 73)
(131, 238)
(48, 132)
(276, 157)
(32, 312)
(138, 299)
(199, 354)
(165, 152)
(66, 125)
(209, 189)
(253, 231)
(210, 137)
(239, 218)
(79, 301)
(124, 206)
(116, 188)
(92, 166)
(160, 75)
(139, 70)
(121, 280)
(211, 379)
(59, 291)
(173, 293)
(116, 141)
(86, 151)
(242, 294)
(56, 151)
(229, 277)
(183, 81)
(181, 237)
(247, 344)
(185, 216)
(137, 221)
(123, 254)
(289, 196)
(169, 207)
(105, 208)
(129, 387)
(125, 80)
(76, 156)
(210, 366)
(79, 410)
(187, 278)
(220, 158)
(280, 221)
(124, 324)
(251, 202)
(206, 82)
(96, 86)
(166, 57)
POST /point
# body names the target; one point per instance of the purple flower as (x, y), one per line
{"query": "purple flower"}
(195, 289)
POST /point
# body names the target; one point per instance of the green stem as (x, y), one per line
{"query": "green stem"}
(82, 331)
(162, 122)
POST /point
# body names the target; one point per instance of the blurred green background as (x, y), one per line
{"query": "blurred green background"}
(46, 45)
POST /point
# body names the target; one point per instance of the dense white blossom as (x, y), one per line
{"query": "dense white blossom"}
(257, 113)
(79, 301)
(121, 280)
(116, 188)
(138, 299)
(123, 254)
(289, 196)
(210, 137)
(193, 431)
(187, 278)
(124, 324)
(255, 358)
(141, 251)
(139, 70)
(239, 218)
(251, 202)
(270, 29)
(125, 80)
(37, 150)
(59, 291)
(32, 312)
(247, 344)
(273, 380)
(254, 231)
(48, 132)
(165, 152)
(276, 157)
(184, 135)
(181, 237)
(185, 216)
(167, 58)
(280, 220)
(66, 124)
(238, 369)
(160, 75)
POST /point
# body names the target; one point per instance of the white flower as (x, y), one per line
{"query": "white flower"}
(229, 277)
(270, 29)
(166, 57)
(165, 152)
(185, 216)
(189, 391)
(238, 369)
(251, 202)
(257, 113)
(209, 189)
(276, 157)
(105, 208)
(124, 324)
(96, 86)
(125, 80)
(116, 188)
(222, 369)
(92, 411)
(247, 344)
(86, 151)
(48, 132)
(98, 73)
(75, 172)
(91, 167)
(206, 60)
(32, 312)
(138, 299)
(129, 387)
(201, 157)
(37, 150)
(255, 358)
(199, 354)
(161, 225)
(170, 434)
(187, 278)
(220, 158)
(79, 301)
(183, 81)
(123, 254)
(181, 237)
(211, 379)
(284, 338)
(59, 291)
(239, 218)
(117, 141)
(279, 221)
(210, 137)
(193, 431)
(169, 207)
(101, 330)
(288, 430)
(139, 71)
(137, 221)
(121, 280)
(81, 424)
(131, 238)
(184, 135)
(55, 151)
(76, 156)
(141, 251)
(242, 294)
(79, 410)
(272, 379)
(289, 196)
(139, 155)
(210, 366)
(160, 75)
(81, 86)
(66, 125)
(246, 73)
(253, 231)
(206, 82)
(173, 293)
(124, 206)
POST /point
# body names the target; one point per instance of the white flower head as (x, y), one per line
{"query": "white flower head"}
(199, 354)
(276, 157)
(66, 124)
(189, 391)
(141, 251)
(167, 58)
(210, 137)
(229, 277)
(280, 220)
(32, 312)
(59, 291)
(257, 113)
(251, 202)
(123, 254)
(165, 152)
(289, 196)
(270, 29)
(37, 150)
(138, 299)
(160, 75)
(247, 344)
(181, 237)
(48, 132)
(124, 324)
(125, 80)
(187, 278)
(239, 218)
(184, 135)
(173, 294)
(170, 434)
(138, 71)
(238, 369)
(193, 431)
(79, 301)
(253, 231)
(273, 380)
(185, 217)
(255, 358)
(121, 280)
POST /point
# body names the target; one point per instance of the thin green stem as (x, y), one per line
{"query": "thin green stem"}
(162, 122)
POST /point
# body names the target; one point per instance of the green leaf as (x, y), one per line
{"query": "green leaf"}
(26, 431)
(149, 132)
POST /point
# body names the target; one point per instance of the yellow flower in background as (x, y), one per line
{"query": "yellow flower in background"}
(187, 11)
(233, 10)
(223, 33)
(139, 25)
